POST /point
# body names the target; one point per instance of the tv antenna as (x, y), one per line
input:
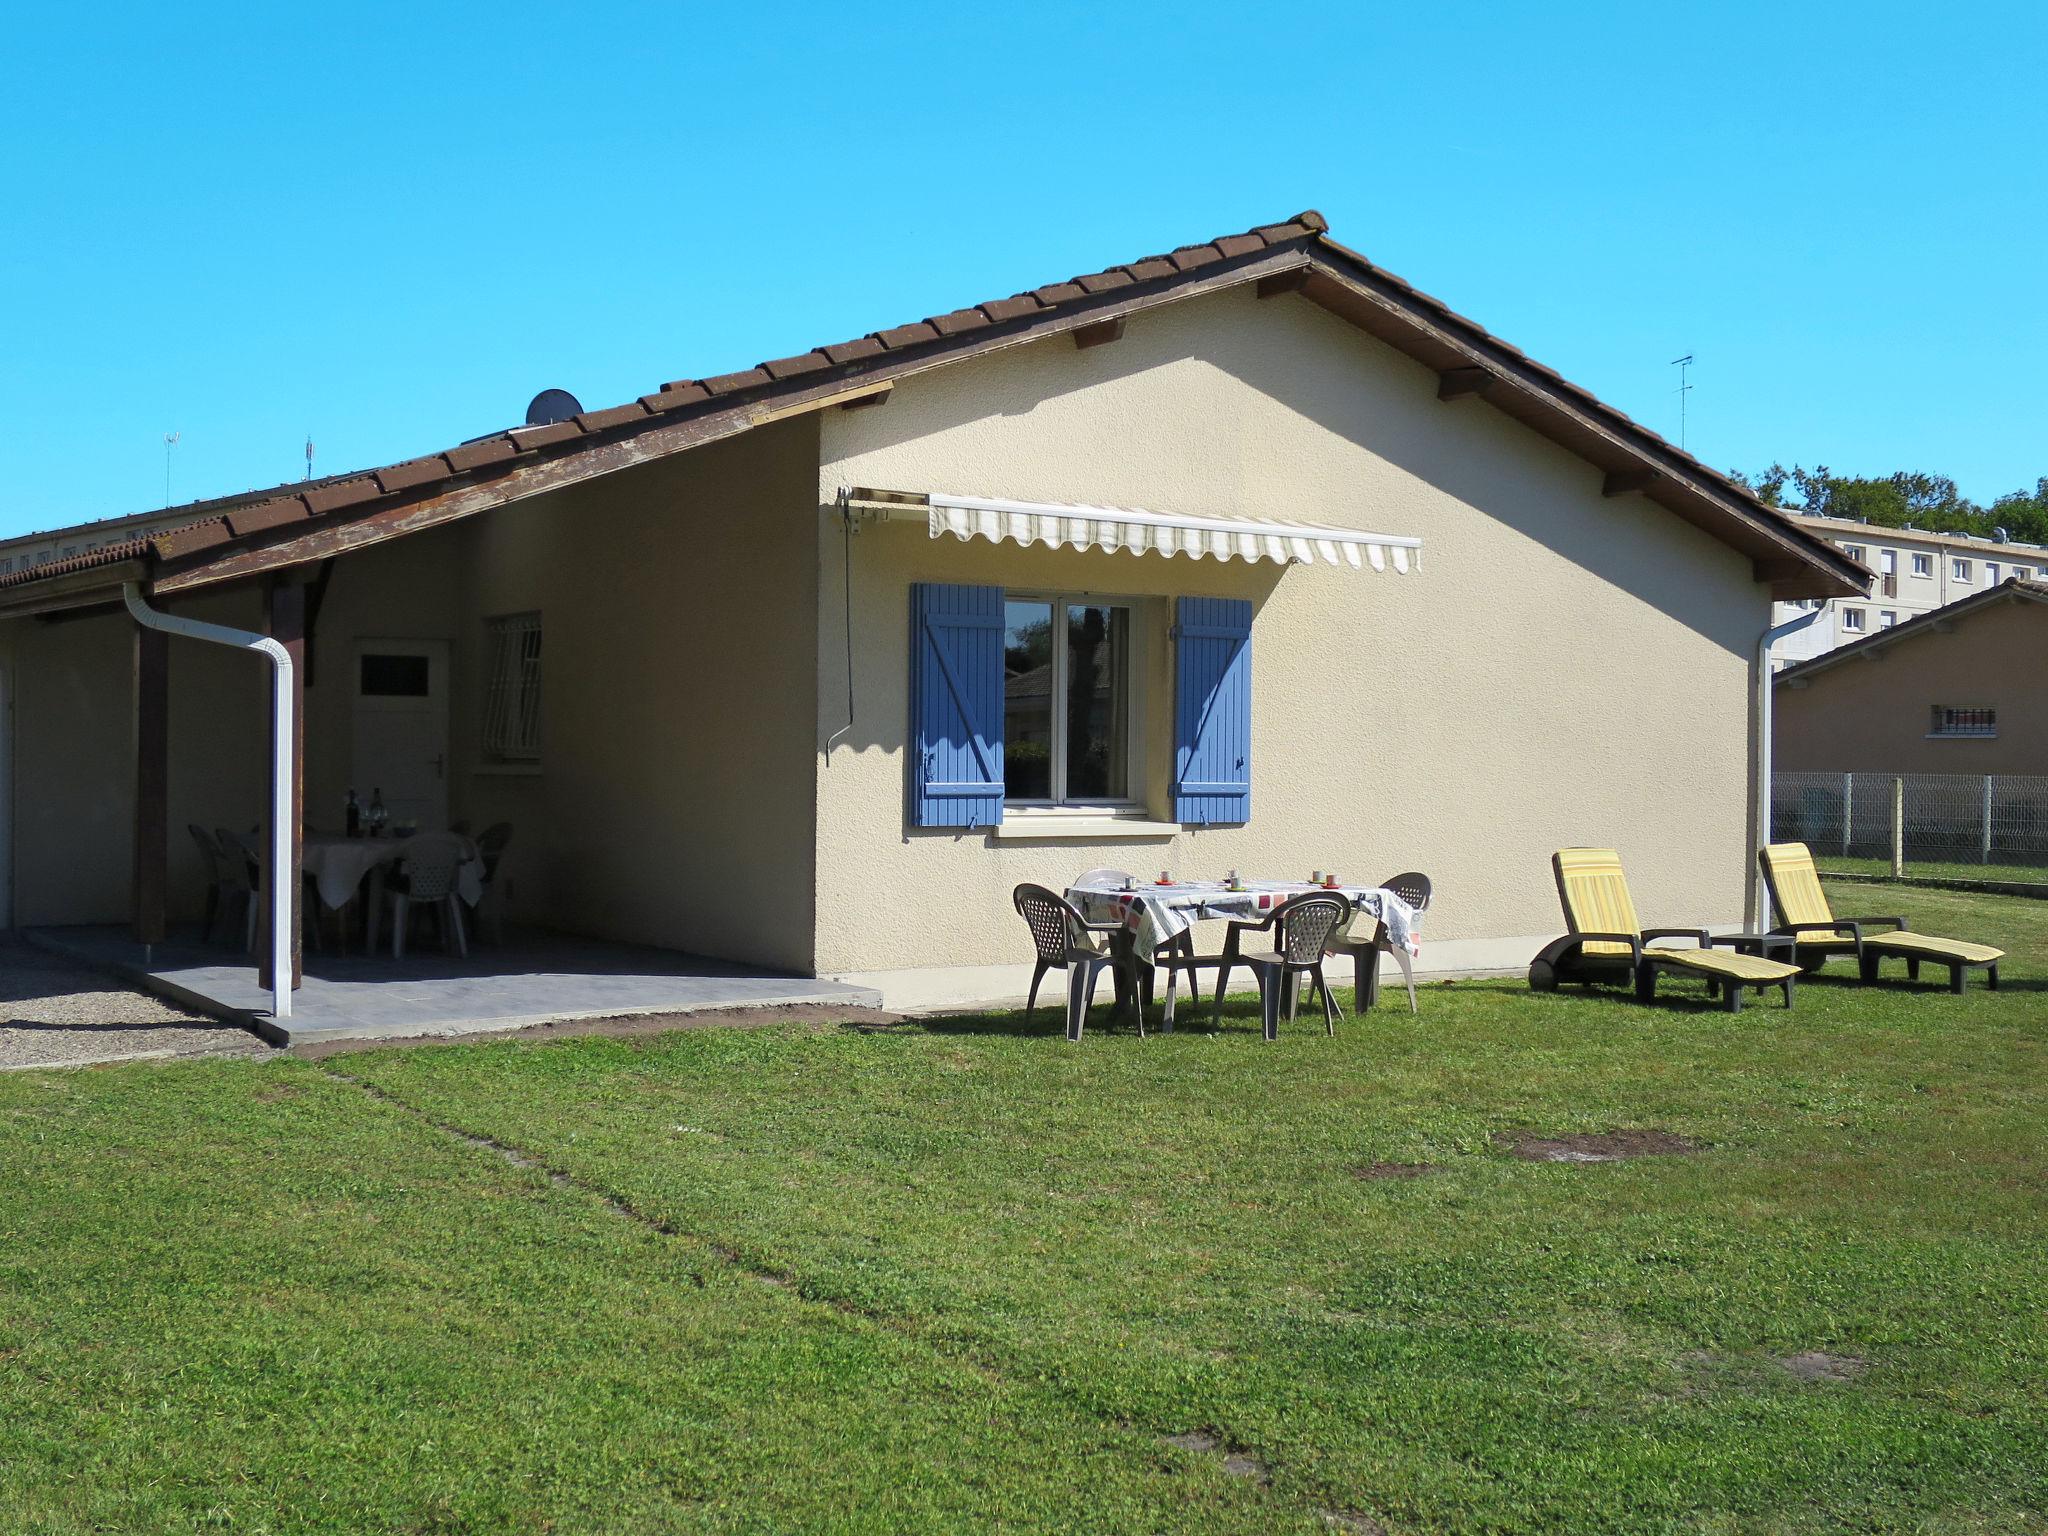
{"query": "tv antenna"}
(170, 442)
(309, 455)
(1684, 389)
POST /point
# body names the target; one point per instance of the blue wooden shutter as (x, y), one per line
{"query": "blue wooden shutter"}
(1212, 753)
(956, 705)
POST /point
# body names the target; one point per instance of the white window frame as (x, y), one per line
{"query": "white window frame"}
(1888, 561)
(1853, 551)
(1946, 722)
(1886, 618)
(1852, 620)
(1992, 570)
(509, 725)
(1059, 804)
(1923, 565)
(1959, 570)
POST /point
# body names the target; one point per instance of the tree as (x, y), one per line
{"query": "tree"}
(1908, 498)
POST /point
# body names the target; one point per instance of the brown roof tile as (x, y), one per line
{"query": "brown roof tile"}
(403, 477)
(1188, 257)
(612, 416)
(267, 514)
(853, 351)
(343, 493)
(191, 539)
(790, 367)
(484, 451)
(898, 337)
(729, 383)
(686, 392)
(548, 435)
(958, 320)
(1000, 310)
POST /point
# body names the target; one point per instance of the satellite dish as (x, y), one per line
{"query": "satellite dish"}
(552, 405)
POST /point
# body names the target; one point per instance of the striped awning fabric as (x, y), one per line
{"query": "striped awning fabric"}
(1138, 531)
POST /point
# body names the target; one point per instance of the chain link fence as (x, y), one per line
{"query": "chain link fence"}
(1937, 824)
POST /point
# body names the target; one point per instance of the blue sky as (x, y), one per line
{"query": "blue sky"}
(389, 227)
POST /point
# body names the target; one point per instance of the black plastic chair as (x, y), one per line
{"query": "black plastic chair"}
(1301, 929)
(1061, 935)
(1365, 951)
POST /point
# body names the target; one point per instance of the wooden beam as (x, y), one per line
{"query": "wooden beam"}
(288, 626)
(1292, 281)
(1626, 482)
(1101, 333)
(152, 781)
(1457, 383)
(316, 594)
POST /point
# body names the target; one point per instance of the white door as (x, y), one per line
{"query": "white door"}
(401, 729)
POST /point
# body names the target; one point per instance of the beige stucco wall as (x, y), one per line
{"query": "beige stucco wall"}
(673, 804)
(1872, 716)
(1565, 668)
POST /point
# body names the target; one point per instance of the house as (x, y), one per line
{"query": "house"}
(1918, 570)
(1961, 689)
(1251, 556)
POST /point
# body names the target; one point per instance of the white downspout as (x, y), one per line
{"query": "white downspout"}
(1764, 711)
(282, 881)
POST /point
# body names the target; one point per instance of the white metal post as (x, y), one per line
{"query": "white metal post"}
(283, 881)
(1898, 827)
(1984, 857)
(1848, 810)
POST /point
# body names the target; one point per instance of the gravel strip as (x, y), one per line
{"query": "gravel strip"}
(55, 1013)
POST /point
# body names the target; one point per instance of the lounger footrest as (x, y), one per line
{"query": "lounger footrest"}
(1925, 946)
(1721, 965)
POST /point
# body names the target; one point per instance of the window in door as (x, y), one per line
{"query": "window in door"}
(1067, 701)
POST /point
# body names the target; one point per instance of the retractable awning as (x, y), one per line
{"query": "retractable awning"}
(1065, 525)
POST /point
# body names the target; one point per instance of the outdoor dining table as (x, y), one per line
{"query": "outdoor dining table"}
(339, 867)
(1153, 915)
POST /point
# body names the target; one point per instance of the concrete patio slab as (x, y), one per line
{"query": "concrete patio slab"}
(536, 979)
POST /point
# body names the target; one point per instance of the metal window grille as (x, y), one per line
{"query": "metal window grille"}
(512, 697)
(1950, 721)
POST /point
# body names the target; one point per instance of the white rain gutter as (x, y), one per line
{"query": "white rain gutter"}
(1765, 708)
(281, 884)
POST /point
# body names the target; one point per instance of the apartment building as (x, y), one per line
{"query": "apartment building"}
(1917, 572)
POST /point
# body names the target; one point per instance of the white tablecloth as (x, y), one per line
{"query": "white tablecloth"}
(339, 866)
(1155, 913)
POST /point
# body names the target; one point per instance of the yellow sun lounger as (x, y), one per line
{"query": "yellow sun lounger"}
(1607, 943)
(1804, 913)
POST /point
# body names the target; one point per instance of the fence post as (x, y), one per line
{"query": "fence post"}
(1848, 809)
(1985, 855)
(1898, 827)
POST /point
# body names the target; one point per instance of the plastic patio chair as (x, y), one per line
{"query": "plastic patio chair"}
(490, 850)
(1365, 950)
(1062, 937)
(425, 877)
(1301, 930)
(240, 883)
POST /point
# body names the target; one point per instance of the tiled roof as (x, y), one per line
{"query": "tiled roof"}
(943, 335)
(2012, 589)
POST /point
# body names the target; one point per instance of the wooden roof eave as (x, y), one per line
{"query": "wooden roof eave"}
(1791, 564)
(93, 587)
(309, 539)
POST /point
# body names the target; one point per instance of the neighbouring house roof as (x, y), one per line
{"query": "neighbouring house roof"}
(1935, 621)
(297, 523)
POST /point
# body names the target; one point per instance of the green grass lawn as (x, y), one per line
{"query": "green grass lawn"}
(1924, 869)
(962, 1276)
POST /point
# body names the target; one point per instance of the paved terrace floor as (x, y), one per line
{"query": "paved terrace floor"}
(535, 979)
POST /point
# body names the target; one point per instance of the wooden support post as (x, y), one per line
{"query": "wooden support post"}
(1898, 827)
(288, 626)
(152, 781)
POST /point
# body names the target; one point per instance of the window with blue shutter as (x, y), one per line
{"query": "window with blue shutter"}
(1212, 754)
(956, 705)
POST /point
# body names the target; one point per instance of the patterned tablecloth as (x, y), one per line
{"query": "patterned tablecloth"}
(1155, 913)
(339, 865)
